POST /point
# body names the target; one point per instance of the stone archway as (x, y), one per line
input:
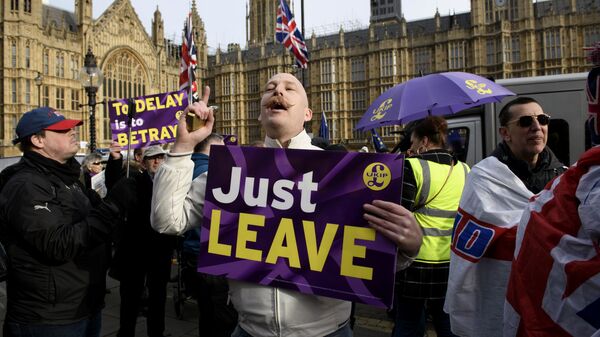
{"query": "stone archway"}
(125, 76)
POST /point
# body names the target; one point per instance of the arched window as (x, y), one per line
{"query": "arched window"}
(27, 56)
(124, 77)
(14, 5)
(27, 6)
(13, 54)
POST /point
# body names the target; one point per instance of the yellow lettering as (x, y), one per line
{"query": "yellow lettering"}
(173, 129)
(170, 102)
(246, 235)
(117, 106)
(214, 246)
(350, 250)
(318, 254)
(140, 106)
(285, 233)
(150, 103)
(153, 134)
(159, 105)
(179, 98)
(164, 133)
(122, 139)
(142, 134)
(134, 138)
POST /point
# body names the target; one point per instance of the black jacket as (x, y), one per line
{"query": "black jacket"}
(139, 245)
(57, 238)
(534, 179)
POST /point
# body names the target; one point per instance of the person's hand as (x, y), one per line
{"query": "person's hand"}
(396, 223)
(115, 150)
(123, 195)
(185, 140)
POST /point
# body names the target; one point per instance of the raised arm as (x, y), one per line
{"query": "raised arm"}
(177, 201)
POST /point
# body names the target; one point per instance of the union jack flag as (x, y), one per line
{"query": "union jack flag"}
(288, 34)
(187, 68)
(554, 287)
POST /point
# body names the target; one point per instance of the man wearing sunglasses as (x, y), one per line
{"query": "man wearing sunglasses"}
(496, 193)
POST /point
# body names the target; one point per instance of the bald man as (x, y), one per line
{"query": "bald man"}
(265, 311)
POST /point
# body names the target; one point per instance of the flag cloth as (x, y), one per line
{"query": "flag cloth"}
(288, 34)
(554, 286)
(593, 95)
(187, 68)
(324, 128)
(378, 144)
(482, 248)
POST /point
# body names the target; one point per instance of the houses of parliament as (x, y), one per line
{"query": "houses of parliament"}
(44, 47)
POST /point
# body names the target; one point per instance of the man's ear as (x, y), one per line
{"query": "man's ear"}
(503, 130)
(308, 114)
(36, 140)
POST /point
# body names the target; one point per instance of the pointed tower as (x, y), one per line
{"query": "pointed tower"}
(384, 10)
(200, 41)
(83, 12)
(261, 21)
(158, 29)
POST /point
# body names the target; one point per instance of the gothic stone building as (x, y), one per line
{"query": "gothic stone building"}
(41, 40)
(349, 69)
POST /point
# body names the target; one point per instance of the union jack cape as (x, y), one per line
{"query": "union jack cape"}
(288, 34)
(554, 287)
(187, 68)
(482, 247)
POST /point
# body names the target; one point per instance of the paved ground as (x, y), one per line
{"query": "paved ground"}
(370, 322)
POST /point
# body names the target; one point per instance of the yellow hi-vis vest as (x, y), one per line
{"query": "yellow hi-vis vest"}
(437, 216)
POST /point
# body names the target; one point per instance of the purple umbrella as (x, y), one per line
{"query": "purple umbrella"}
(435, 94)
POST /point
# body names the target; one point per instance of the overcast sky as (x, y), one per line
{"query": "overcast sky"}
(224, 20)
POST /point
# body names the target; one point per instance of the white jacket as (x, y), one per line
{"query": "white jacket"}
(177, 205)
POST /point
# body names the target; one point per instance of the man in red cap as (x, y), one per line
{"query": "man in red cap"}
(56, 233)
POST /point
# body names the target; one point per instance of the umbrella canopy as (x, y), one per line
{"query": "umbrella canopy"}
(434, 94)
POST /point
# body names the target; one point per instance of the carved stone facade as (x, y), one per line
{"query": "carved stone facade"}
(348, 70)
(41, 39)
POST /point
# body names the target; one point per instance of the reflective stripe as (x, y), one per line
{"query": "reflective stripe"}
(436, 231)
(440, 213)
(466, 169)
(426, 182)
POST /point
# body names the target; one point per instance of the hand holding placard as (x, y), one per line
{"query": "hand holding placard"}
(396, 223)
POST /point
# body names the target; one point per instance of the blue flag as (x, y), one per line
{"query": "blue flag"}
(378, 144)
(324, 128)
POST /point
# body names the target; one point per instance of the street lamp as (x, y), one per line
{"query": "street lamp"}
(38, 81)
(91, 79)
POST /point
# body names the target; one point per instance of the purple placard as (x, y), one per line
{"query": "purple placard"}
(154, 122)
(293, 208)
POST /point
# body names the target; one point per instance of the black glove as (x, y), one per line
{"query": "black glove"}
(123, 195)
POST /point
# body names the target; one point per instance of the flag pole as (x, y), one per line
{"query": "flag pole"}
(303, 33)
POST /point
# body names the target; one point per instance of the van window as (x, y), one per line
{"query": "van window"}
(558, 139)
(458, 142)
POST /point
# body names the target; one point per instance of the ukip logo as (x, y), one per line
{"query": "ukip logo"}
(383, 108)
(480, 87)
(377, 176)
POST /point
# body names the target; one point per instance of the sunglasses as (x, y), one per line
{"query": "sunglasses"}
(527, 121)
(96, 163)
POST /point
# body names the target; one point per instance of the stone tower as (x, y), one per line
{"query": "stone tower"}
(261, 21)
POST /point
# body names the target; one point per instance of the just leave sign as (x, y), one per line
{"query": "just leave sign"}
(294, 219)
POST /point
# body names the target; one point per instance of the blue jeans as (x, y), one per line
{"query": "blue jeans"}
(89, 327)
(344, 331)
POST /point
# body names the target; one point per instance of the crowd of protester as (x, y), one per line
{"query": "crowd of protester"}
(63, 235)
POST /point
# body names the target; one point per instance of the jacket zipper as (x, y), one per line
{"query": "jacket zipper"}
(277, 321)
